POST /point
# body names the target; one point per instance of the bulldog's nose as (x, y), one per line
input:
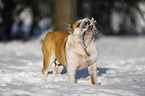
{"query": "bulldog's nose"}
(91, 26)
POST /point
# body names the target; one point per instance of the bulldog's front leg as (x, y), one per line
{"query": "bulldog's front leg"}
(71, 71)
(93, 72)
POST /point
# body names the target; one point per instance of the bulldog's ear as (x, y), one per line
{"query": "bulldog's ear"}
(69, 27)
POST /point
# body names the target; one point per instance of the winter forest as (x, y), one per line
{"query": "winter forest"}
(23, 19)
(120, 43)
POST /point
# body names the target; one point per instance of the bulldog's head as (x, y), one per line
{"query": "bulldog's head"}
(83, 30)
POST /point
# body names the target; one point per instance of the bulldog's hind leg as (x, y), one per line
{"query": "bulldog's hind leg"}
(58, 67)
(48, 61)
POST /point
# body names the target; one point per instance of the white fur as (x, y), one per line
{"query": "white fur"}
(77, 58)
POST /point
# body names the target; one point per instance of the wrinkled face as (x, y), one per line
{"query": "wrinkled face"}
(84, 29)
(84, 26)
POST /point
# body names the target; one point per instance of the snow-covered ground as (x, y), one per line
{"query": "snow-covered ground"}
(121, 70)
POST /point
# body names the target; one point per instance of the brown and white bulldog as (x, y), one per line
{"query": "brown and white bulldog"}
(76, 50)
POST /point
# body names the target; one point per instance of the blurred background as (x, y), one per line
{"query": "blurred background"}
(25, 19)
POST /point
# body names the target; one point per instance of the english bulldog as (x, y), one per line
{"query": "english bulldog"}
(75, 49)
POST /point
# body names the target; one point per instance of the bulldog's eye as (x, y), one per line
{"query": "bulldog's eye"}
(78, 25)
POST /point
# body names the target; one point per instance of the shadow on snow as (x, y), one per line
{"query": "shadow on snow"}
(84, 73)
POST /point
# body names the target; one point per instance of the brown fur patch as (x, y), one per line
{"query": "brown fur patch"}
(55, 41)
(74, 26)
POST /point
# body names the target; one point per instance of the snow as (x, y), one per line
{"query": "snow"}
(121, 67)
